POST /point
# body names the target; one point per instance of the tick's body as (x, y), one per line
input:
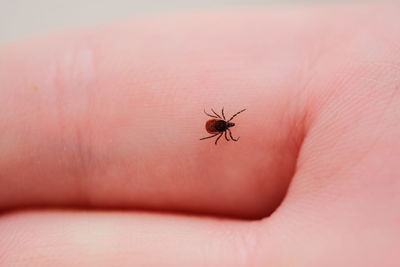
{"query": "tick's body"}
(220, 126)
(217, 126)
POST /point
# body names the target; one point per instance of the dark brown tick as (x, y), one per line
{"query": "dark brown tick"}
(219, 126)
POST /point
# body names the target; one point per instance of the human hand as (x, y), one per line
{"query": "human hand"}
(108, 120)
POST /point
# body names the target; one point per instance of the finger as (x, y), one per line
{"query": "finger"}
(315, 221)
(121, 239)
(113, 117)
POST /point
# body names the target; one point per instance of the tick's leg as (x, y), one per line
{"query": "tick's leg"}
(230, 134)
(218, 138)
(223, 115)
(216, 114)
(226, 137)
(210, 115)
(236, 115)
(211, 136)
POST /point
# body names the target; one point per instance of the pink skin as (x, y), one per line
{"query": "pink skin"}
(110, 118)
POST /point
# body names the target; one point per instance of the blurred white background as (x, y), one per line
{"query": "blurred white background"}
(21, 18)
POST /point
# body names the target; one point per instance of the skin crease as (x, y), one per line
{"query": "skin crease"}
(109, 118)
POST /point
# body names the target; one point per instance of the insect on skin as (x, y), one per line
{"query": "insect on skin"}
(220, 126)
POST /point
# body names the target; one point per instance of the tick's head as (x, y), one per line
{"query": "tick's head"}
(229, 124)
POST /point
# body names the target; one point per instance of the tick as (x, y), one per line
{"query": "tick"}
(220, 126)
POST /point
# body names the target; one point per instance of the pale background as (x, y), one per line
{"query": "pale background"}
(21, 18)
